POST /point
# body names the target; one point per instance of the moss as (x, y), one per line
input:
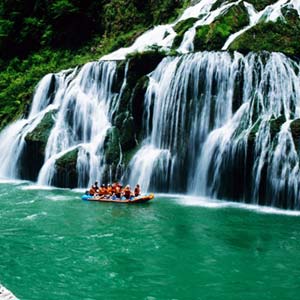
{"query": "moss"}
(137, 104)
(282, 36)
(295, 130)
(128, 155)
(180, 28)
(42, 131)
(213, 36)
(275, 125)
(112, 146)
(127, 134)
(253, 132)
(66, 172)
(261, 4)
(117, 24)
(142, 63)
(258, 4)
(33, 155)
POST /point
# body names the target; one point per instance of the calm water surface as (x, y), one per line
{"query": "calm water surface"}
(55, 246)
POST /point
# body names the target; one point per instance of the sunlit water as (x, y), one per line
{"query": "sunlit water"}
(55, 246)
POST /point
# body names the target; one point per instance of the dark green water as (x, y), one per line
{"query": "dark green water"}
(55, 246)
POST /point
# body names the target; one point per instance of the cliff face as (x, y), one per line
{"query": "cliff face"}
(176, 112)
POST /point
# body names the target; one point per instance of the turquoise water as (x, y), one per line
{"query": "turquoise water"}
(55, 246)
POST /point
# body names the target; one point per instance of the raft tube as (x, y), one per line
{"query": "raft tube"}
(139, 199)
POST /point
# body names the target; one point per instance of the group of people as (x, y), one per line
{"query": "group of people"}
(114, 191)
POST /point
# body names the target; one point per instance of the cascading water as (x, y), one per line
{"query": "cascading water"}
(82, 100)
(215, 116)
(213, 123)
(82, 122)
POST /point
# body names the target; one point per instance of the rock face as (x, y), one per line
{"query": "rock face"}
(33, 155)
(66, 171)
(213, 36)
(280, 36)
(127, 132)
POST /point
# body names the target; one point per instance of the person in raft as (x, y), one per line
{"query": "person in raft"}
(127, 192)
(94, 189)
(137, 190)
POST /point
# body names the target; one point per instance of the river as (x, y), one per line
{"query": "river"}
(55, 246)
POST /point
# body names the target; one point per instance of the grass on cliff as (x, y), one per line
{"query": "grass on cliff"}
(37, 41)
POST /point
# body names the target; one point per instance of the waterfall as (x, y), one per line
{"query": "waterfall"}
(209, 128)
(82, 99)
(217, 124)
(82, 122)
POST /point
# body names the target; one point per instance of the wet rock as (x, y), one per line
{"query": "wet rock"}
(181, 28)
(33, 155)
(66, 173)
(112, 146)
(282, 36)
(213, 36)
(295, 129)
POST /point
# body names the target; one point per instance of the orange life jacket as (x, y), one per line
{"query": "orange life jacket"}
(92, 191)
(109, 190)
(118, 191)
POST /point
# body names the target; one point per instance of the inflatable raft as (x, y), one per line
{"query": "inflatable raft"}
(133, 200)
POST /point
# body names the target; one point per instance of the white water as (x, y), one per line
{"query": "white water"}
(199, 110)
(193, 113)
(82, 99)
(164, 35)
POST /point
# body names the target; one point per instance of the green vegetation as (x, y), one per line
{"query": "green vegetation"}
(38, 37)
(261, 4)
(258, 4)
(281, 36)
(295, 129)
(213, 36)
(66, 172)
(181, 29)
(42, 131)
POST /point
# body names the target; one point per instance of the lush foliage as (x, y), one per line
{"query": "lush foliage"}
(38, 37)
(214, 36)
(258, 4)
(281, 36)
(180, 29)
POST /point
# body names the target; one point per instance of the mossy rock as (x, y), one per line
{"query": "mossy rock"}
(66, 172)
(127, 134)
(42, 131)
(142, 63)
(112, 146)
(33, 155)
(275, 125)
(261, 4)
(280, 36)
(258, 4)
(180, 28)
(253, 132)
(295, 130)
(119, 77)
(131, 106)
(213, 36)
(137, 103)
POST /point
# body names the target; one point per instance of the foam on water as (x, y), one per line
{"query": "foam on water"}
(35, 216)
(60, 198)
(214, 203)
(37, 187)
